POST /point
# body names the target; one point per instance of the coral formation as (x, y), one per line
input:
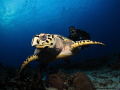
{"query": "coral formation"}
(76, 77)
(77, 81)
(82, 82)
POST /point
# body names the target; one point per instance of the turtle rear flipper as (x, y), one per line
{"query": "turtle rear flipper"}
(28, 60)
(85, 42)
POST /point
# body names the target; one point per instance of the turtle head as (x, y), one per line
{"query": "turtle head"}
(43, 40)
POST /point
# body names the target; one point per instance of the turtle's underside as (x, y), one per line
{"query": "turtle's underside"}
(53, 47)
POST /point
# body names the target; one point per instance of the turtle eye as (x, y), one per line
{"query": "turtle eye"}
(43, 38)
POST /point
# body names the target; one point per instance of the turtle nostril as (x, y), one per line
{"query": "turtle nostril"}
(38, 41)
(43, 43)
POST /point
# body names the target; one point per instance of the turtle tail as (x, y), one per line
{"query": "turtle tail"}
(28, 60)
(85, 42)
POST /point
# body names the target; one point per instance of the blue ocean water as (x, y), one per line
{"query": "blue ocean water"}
(20, 20)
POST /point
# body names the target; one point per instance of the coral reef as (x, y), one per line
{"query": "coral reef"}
(76, 76)
(54, 81)
(82, 82)
(10, 81)
(77, 81)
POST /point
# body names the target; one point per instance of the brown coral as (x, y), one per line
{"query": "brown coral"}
(55, 81)
(82, 82)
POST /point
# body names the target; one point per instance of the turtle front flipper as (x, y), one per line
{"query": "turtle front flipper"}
(85, 42)
(28, 60)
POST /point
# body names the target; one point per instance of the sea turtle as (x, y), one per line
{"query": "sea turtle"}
(53, 47)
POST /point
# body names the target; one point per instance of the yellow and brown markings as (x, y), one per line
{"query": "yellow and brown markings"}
(48, 42)
(85, 42)
(28, 60)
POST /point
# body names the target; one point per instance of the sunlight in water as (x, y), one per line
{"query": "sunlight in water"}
(8, 11)
(8, 16)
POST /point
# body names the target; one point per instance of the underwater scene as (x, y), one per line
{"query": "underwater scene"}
(59, 44)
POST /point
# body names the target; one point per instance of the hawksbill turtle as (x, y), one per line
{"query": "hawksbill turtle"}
(53, 47)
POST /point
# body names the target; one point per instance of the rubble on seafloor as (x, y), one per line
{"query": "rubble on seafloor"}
(102, 75)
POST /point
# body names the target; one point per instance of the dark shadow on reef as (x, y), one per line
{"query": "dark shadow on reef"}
(58, 77)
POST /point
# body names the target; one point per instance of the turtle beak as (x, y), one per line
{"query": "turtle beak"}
(34, 42)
